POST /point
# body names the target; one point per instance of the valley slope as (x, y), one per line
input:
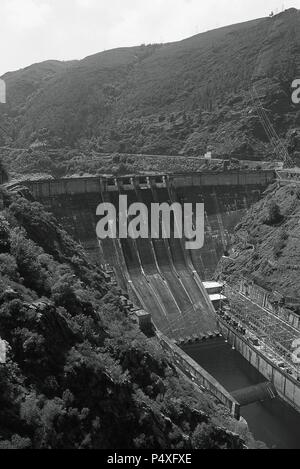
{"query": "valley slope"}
(184, 97)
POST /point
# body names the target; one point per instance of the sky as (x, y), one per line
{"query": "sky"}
(36, 30)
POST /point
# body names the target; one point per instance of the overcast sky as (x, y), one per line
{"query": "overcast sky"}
(36, 30)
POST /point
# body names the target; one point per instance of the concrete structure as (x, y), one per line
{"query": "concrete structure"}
(270, 301)
(287, 176)
(46, 188)
(259, 392)
(213, 287)
(159, 275)
(199, 376)
(226, 195)
(214, 291)
(142, 318)
(286, 386)
(217, 300)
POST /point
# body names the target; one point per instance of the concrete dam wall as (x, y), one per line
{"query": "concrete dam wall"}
(159, 274)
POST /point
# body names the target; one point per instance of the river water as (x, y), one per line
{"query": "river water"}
(273, 422)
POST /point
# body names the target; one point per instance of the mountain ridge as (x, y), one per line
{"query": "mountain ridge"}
(177, 98)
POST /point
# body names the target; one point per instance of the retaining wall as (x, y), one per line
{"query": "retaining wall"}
(287, 387)
(200, 376)
(82, 185)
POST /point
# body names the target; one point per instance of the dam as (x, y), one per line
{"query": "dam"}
(165, 279)
(159, 275)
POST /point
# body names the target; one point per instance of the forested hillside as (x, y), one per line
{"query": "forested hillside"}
(184, 97)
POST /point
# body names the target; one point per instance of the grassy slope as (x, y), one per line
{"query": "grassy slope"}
(24, 83)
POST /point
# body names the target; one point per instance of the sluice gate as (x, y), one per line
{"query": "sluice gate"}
(259, 392)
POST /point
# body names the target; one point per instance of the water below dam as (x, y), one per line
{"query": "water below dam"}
(273, 422)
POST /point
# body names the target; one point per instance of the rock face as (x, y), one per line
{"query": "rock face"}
(182, 97)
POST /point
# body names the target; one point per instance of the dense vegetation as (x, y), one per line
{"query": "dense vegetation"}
(178, 98)
(86, 161)
(79, 373)
(265, 244)
(43, 163)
